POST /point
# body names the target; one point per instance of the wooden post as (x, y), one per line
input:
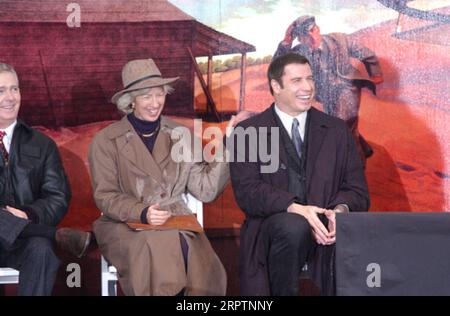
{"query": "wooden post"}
(209, 79)
(242, 90)
(55, 122)
(209, 98)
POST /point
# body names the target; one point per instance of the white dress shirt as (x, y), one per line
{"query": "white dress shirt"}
(287, 120)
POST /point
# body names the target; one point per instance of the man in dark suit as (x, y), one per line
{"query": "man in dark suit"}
(34, 197)
(341, 68)
(290, 212)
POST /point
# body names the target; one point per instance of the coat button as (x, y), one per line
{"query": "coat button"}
(163, 195)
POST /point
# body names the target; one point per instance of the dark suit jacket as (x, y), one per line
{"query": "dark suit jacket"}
(34, 180)
(334, 175)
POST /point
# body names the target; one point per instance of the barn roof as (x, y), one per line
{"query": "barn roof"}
(91, 11)
(207, 41)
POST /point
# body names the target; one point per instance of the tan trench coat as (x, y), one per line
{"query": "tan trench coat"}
(127, 178)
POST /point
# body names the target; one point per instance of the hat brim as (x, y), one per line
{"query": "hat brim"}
(150, 83)
(304, 27)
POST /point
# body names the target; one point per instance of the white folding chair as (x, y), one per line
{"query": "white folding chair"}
(9, 276)
(109, 272)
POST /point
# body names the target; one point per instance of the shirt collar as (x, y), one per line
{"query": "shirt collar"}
(9, 134)
(287, 119)
(9, 130)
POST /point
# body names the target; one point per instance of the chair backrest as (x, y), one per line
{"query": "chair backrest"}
(195, 206)
(9, 276)
(109, 272)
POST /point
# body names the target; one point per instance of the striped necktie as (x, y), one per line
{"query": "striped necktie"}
(3, 151)
(296, 138)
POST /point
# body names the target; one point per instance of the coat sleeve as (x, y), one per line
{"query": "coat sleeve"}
(108, 195)
(254, 195)
(54, 192)
(353, 190)
(208, 179)
(367, 57)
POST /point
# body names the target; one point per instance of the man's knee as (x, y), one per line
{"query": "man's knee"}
(40, 250)
(292, 229)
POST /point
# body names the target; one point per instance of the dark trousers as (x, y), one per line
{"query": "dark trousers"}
(288, 240)
(32, 256)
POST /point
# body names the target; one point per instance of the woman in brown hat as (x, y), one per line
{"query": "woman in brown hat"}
(135, 180)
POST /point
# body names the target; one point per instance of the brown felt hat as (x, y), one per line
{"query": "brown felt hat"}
(140, 74)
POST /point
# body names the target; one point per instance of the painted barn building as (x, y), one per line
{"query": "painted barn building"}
(68, 74)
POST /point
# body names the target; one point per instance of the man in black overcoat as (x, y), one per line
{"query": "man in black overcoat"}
(290, 202)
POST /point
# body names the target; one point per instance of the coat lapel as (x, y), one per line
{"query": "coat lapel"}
(162, 147)
(132, 148)
(286, 143)
(271, 120)
(316, 135)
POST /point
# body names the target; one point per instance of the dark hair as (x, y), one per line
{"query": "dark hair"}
(276, 67)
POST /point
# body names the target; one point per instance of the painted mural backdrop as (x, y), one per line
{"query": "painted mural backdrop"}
(69, 74)
(406, 123)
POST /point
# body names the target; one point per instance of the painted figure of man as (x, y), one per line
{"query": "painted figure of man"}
(335, 59)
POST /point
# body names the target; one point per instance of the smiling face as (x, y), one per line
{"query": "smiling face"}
(296, 92)
(148, 107)
(9, 98)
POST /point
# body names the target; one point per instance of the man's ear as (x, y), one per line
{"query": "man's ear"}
(275, 86)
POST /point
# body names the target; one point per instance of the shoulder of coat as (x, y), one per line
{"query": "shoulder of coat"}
(169, 123)
(117, 129)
